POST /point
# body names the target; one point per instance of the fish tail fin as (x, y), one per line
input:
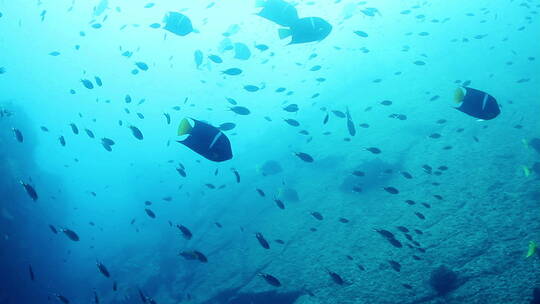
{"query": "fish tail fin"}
(459, 95)
(184, 127)
(284, 33)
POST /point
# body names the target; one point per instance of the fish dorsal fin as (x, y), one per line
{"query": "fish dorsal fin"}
(184, 127)
(459, 95)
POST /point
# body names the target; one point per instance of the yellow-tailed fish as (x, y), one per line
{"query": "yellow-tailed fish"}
(532, 249)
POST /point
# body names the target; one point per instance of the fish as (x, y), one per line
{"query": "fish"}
(240, 110)
(181, 171)
(305, 30)
(89, 133)
(30, 191)
(74, 128)
(361, 33)
(62, 141)
(127, 99)
(141, 65)
(107, 141)
(336, 277)
(227, 126)
(476, 103)
(198, 57)
(87, 84)
(532, 249)
(279, 203)
(106, 147)
(304, 156)
(390, 237)
(62, 298)
(215, 58)
(292, 122)
(261, 47)
(395, 265)
(343, 220)
(98, 81)
(18, 135)
(236, 175)
(278, 11)
(194, 255)
(144, 299)
(186, 233)
(115, 286)
(178, 24)
(359, 173)
(325, 120)
(391, 190)
(402, 228)
(261, 193)
(407, 175)
(231, 101)
(241, 51)
(386, 102)
(291, 108)
(103, 269)
(251, 88)
(270, 279)
(31, 273)
(136, 132)
(205, 140)
(339, 113)
(350, 123)
(70, 234)
(150, 213)
(167, 117)
(96, 298)
(53, 229)
(317, 215)
(262, 240)
(373, 150)
(232, 71)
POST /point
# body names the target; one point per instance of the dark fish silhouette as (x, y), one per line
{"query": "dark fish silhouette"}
(270, 279)
(185, 232)
(103, 269)
(30, 191)
(70, 234)
(262, 240)
(31, 272)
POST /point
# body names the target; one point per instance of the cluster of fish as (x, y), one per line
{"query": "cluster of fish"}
(301, 30)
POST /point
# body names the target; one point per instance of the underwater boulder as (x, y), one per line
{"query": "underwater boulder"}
(443, 280)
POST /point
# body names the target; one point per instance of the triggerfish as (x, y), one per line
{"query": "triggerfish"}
(205, 140)
(476, 103)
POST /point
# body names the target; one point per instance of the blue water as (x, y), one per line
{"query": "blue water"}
(442, 211)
